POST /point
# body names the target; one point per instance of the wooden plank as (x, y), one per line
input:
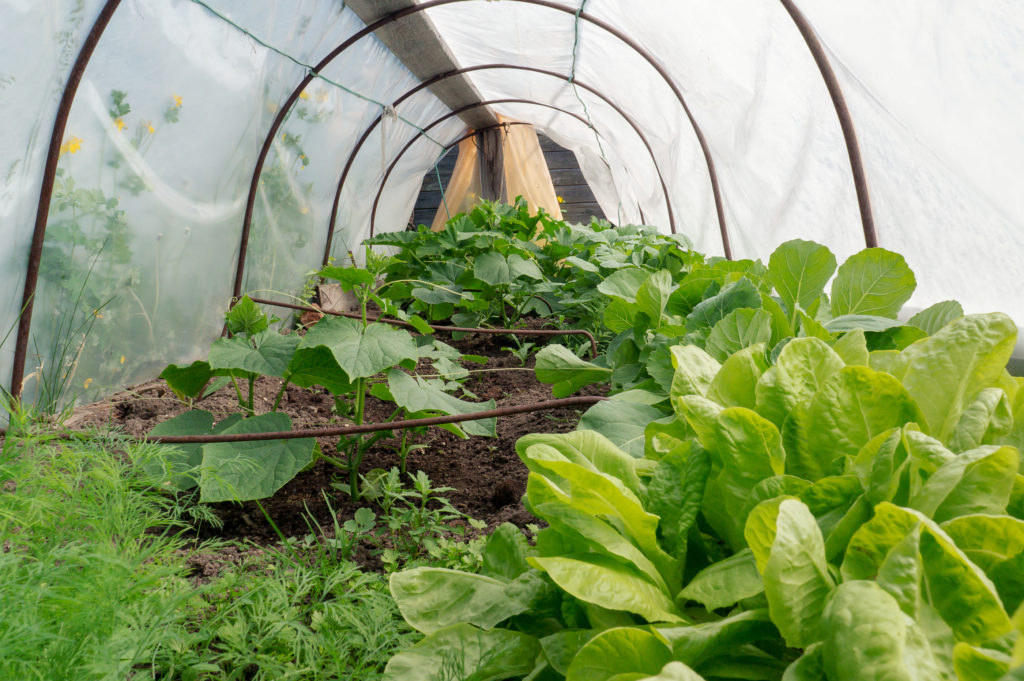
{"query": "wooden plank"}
(559, 160)
(579, 193)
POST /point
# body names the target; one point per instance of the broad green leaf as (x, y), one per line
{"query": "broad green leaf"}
(246, 318)
(872, 282)
(872, 542)
(472, 654)
(619, 651)
(317, 366)
(520, 267)
(986, 539)
(855, 405)
(933, 318)
(585, 448)
(830, 498)
(698, 643)
(621, 422)
(735, 382)
(800, 371)
(607, 498)
(808, 667)
(851, 322)
(431, 599)
(724, 583)
(695, 370)
(561, 647)
(175, 461)
(702, 416)
(733, 296)
(652, 296)
(960, 591)
(437, 295)
(583, 527)
(946, 371)
(360, 352)
(189, 381)
(737, 330)
(978, 481)
(867, 636)
(901, 574)
(675, 493)
(623, 283)
(780, 325)
(492, 268)
(749, 449)
(267, 353)
(799, 271)
(417, 395)
(675, 671)
(987, 418)
(776, 486)
(239, 471)
(620, 316)
(504, 556)
(348, 277)
(760, 529)
(609, 584)
(979, 664)
(567, 373)
(796, 576)
(852, 347)
(808, 327)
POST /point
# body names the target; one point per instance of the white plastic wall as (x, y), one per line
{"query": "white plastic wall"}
(935, 89)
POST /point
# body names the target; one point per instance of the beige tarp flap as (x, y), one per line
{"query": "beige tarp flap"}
(526, 171)
(526, 175)
(463, 190)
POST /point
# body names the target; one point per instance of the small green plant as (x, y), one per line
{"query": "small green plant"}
(350, 358)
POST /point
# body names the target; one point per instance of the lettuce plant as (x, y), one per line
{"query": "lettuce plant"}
(841, 513)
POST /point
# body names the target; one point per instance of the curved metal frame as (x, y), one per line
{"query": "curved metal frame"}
(46, 192)
(103, 19)
(447, 116)
(485, 67)
(422, 7)
(860, 180)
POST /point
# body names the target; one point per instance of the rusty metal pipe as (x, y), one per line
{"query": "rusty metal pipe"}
(450, 329)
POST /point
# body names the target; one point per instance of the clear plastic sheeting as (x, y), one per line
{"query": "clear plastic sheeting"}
(165, 130)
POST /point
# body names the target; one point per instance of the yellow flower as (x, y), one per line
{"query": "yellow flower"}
(303, 95)
(322, 96)
(97, 314)
(87, 383)
(560, 199)
(119, 122)
(122, 359)
(149, 126)
(304, 210)
(71, 146)
(177, 101)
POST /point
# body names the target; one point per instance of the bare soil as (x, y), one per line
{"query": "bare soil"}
(486, 475)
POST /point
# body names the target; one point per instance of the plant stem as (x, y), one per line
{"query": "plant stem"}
(238, 393)
(252, 398)
(357, 456)
(280, 393)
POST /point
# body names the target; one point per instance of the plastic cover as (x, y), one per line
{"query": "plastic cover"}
(154, 196)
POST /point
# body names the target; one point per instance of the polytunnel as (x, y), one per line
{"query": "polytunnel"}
(163, 156)
(512, 340)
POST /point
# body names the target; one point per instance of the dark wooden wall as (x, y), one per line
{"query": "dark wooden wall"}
(578, 202)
